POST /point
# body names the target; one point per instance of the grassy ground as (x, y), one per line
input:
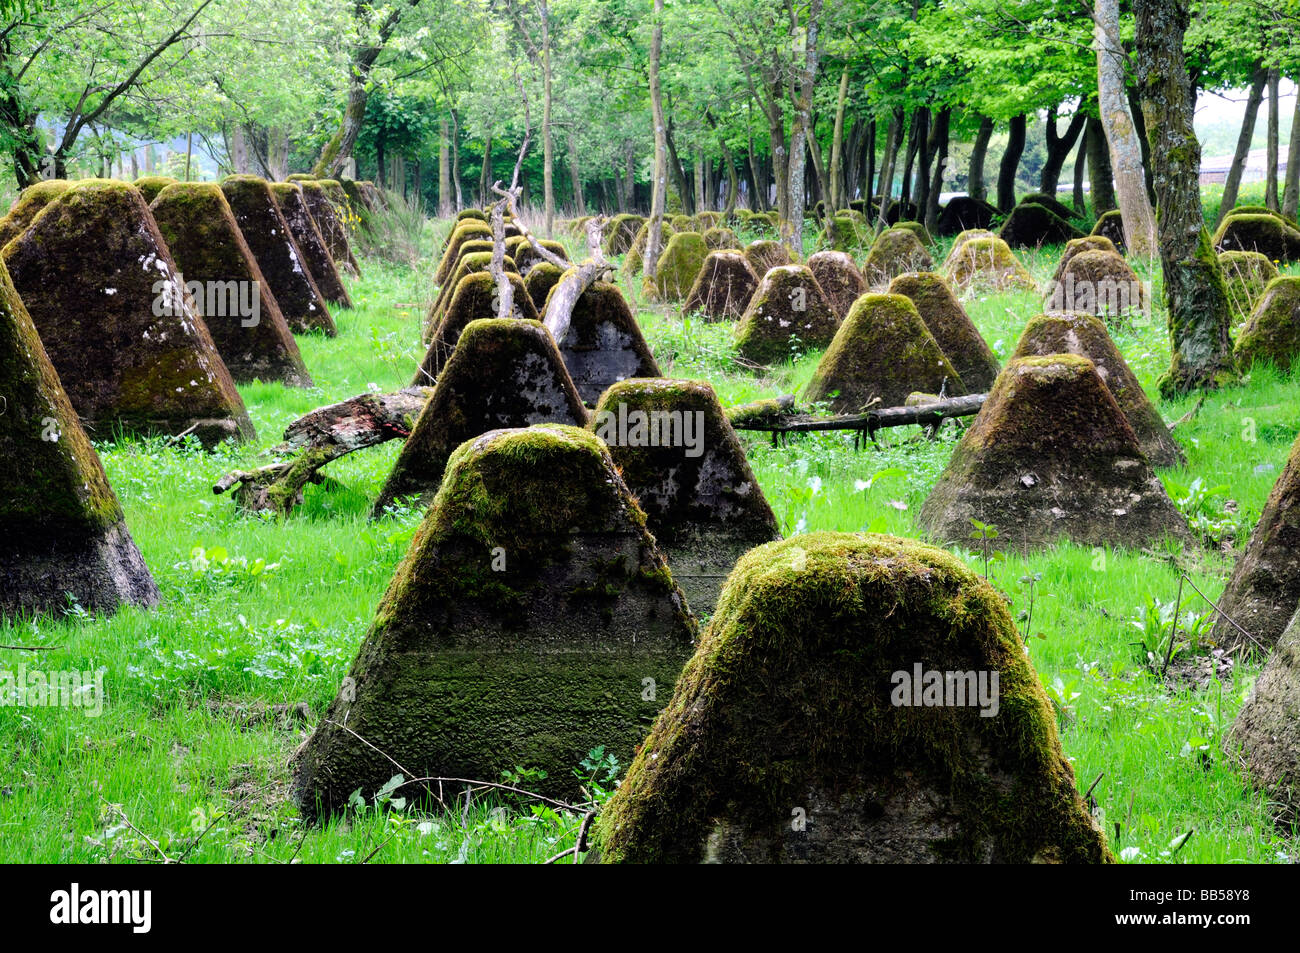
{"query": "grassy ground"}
(189, 755)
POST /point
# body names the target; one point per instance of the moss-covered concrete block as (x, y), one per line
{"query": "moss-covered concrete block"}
(28, 205)
(788, 311)
(986, 262)
(1072, 332)
(839, 278)
(231, 296)
(678, 266)
(764, 255)
(800, 730)
(61, 522)
(278, 255)
(1051, 456)
(723, 287)
(1273, 332)
(477, 297)
(519, 631)
(678, 454)
(603, 343)
(311, 243)
(882, 352)
(103, 291)
(1264, 588)
(896, 251)
(953, 330)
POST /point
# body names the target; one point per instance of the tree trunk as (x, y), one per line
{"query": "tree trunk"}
(836, 199)
(700, 203)
(1270, 178)
(575, 178)
(914, 133)
(939, 137)
(444, 169)
(659, 187)
(1120, 125)
(1058, 149)
(455, 160)
(1291, 198)
(548, 143)
(886, 187)
(869, 173)
(780, 158)
(1080, 167)
(1011, 164)
(758, 195)
(339, 147)
(678, 171)
(1144, 144)
(1101, 178)
(1199, 316)
(802, 133)
(1232, 183)
(924, 158)
(975, 185)
(485, 173)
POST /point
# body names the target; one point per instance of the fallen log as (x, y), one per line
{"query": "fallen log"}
(318, 438)
(773, 416)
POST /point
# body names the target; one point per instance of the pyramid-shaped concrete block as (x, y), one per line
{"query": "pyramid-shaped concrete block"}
(1265, 735)
(723, 287)
(1273, 332)
(953, 330)
(788, 310)
(33, 199)
(278, 255)
(882, 352)
(1067, 332)
(63, 529)
(895, 251)
(1264, 588)
(310, 242)
(855, 699)
(103, 291)
(840, 280)
(476, 299)
(503, 372)
(1051, 456)
(328, 205)
(682, 461)
(603, 343)
(226, 286)
(532, 620)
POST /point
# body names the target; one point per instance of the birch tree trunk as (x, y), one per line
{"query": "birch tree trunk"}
(444, 169)
(1117, 120)
(548, 143)
(575, 177)
(659, 187)
(807, 79)
(1101, 178)
(1195, 293)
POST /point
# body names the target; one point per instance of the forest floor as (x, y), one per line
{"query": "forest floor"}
(207, 697)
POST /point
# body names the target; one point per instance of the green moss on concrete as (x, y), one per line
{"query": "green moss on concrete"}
(787, 312)
(895, 252)
(917, 229)
(882, 352)
(34, 198)
(953, 330)
(151, 185)
(723, 288)
(1245, 274)
(789, 693)
(764, 255)
(1269, 234)
(1272, 334)
(476, 297)
(987, 263)
(677, 267)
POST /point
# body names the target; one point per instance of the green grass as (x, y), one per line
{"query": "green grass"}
(272, 613)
